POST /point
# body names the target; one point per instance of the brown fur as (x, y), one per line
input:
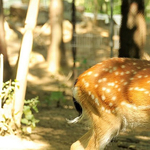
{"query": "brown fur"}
(115, 94)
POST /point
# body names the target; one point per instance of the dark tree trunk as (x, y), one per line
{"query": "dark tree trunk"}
(73, 42)
(133, 29)
(3, 48)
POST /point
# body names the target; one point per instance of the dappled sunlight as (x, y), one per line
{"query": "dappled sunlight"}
(67, 31)
(145, 138)
(105, 34)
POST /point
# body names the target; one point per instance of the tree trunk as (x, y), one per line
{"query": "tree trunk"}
(56, 56)
(95, 11)
(23, 62)
(3, 47)
(73, 40)
(133, 29)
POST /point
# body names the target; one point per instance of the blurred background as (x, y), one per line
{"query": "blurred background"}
(46, 44)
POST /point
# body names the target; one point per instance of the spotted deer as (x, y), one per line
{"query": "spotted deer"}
(115, 95)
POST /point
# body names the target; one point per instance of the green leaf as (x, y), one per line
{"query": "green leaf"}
(26, 110)
(84, 61)
(24, 121)
(29, 116)
(57, 95)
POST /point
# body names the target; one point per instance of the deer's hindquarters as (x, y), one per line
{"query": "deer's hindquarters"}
(115, 94)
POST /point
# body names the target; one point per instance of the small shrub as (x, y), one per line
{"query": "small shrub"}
(56, 96)
(28, 118)
(7, 123)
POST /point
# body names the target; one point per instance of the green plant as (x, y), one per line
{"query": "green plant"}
(7, 122)
(6, 96)
(83, 63)
(28, 119)
(57, 96)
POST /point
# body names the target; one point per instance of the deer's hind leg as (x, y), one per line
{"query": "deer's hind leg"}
(104, 129)
(81, 144)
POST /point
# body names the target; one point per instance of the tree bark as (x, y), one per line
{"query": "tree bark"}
(133, 29)
(95, 11)
(56, 56)
(3, 47)
(23, 62)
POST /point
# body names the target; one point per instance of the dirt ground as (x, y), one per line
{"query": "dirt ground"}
(53, 132)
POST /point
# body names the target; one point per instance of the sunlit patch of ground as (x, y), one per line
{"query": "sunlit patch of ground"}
(12, 142)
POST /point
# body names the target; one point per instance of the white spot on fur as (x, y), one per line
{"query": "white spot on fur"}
(96, 101)
(139, 76)
(146, 92)
(83, 80)
(125, 83)
(103, 97)
(110, 71)
(110, 104)
(108, 90)
(136, 88)
(116, 73)
(100, 80)
(86, 84)
(127, 72)
(130, 89)
(123, 103)
(75, 92)
(138, 67)
(116, 86)
(128, 105)
(103, 88)
(93, 97)
(108, 111)
(96, 85)
(89, 92)
(105, 69)
(96, 75)
(113, 98)
(119, 89)
(111, 84)
(134, 107)
(89, 73)
(102, 108)
(123, 66)
(141, 89)
(122, 80)
(122, 73)
(104, 79)
(114, 68)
